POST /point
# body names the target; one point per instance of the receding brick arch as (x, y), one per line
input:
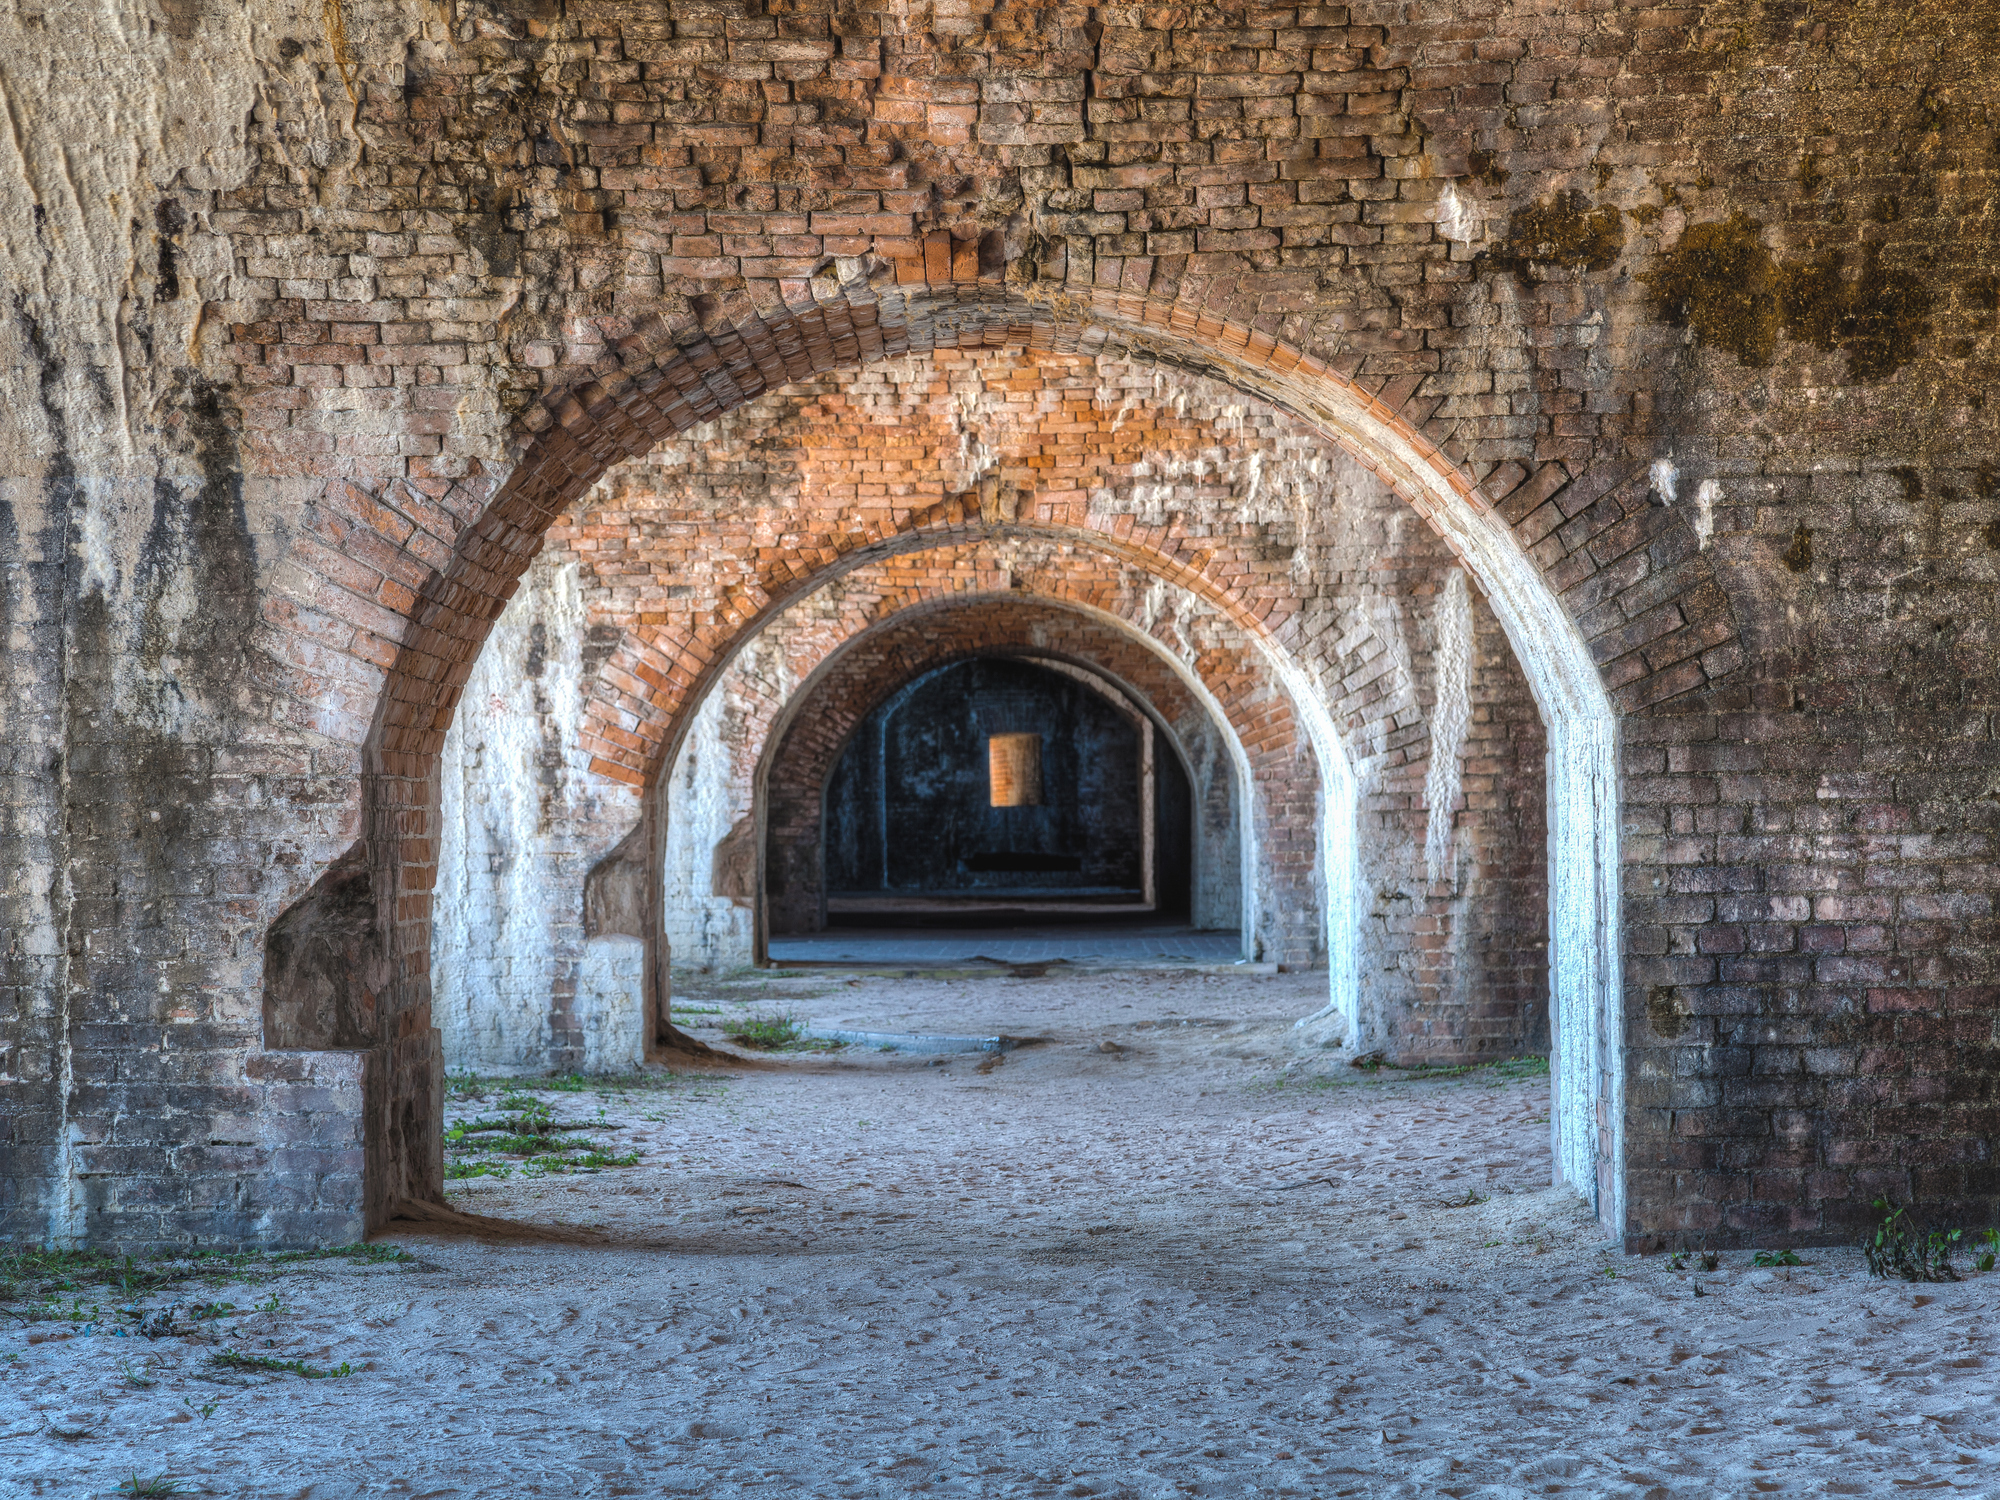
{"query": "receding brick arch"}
(632, 733)
(670, 377)
(1042, 583)
(1277, 781)
(1428, 1010)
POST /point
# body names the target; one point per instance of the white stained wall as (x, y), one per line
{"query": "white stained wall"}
(711, 795)
(515, 986)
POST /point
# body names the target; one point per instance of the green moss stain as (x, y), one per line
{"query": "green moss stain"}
(1560, 232)
(1666, 1012)
(1721, 283)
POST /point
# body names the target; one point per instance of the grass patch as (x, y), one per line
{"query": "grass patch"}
(768, 1033)
(456, 1171)
(159, 1484)
(45, 1276)
(532, 1133)
(229, 1359)
(781, 1032)
(523, 1131)
(516, 1090)
(589, 1158)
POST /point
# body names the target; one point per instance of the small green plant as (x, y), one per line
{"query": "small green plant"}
(1710, 1261)
(208, 1311)
(229, 1359)
(768, 1033)
(1768, 1258)
(1899, 1247)
(1677, 1261)
(462, 1169)
(159, 1484)
(204, 1411)
(1983, 1260)
(53, 1311)
(272, 1304)
(133, 1378)
(590, 1159)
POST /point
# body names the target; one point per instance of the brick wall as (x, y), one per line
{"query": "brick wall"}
(1678, 317)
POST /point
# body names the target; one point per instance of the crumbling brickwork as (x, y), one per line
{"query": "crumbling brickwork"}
(1674, 320)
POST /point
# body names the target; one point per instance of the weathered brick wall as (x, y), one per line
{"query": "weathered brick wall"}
(280, 437)
(518, 984)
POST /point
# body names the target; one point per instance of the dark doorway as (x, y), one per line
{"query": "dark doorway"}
(996, 787)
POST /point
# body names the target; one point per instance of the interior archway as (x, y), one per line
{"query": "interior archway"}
(998, 788)
(718, 794)
(823, 716)
(587, 430)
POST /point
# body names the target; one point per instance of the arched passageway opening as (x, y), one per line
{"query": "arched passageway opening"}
(995, 782)
(749, 776)
(675, 395)
(1008, 790)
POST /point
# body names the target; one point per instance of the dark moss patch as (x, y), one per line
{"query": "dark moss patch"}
(1721, 283)
(1985, 293)
(1724, 285)
(1798, 556)
(1666, 1012)
(1485, 167)
(1877, 319)
(1560, 233)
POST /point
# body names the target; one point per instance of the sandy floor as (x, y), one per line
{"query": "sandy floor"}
(1081, 1272)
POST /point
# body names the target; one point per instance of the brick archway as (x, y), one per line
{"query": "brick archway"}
(668, 378)
(1264, 740)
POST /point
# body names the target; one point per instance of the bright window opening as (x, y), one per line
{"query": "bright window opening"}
(1014, 769)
